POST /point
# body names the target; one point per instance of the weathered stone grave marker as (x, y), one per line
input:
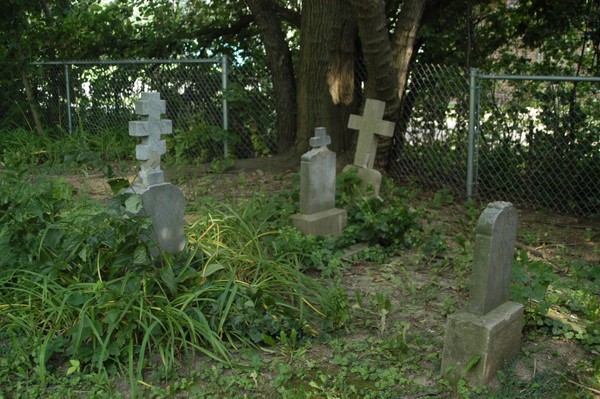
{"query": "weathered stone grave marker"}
(369, 126)
(490, 327)
(162, 202)
(318, 214)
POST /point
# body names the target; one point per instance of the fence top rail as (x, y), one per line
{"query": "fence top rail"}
(131, 62)
(543, 78)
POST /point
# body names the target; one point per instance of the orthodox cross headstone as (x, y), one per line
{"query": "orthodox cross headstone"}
(318, 215)
(162, 202)
(150, 129)
(369, 126)
(489, 329)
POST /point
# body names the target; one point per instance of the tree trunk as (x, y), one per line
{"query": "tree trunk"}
(29, 92)
(382, 83)
(279, 61)
(404, 39)
(326, 72)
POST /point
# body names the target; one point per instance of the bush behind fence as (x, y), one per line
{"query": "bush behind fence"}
(535, 142)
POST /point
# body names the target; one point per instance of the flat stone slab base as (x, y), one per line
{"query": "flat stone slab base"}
(370, 180)
(331, 221)
(495, 337)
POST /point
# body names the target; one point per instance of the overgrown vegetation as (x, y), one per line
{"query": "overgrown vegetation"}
(252, 308)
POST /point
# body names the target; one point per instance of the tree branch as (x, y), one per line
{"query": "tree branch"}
(214, 32)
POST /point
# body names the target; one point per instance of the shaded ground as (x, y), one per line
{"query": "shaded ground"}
(422, 288)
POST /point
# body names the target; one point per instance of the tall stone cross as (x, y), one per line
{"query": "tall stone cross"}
(150, 128)
(369, 126)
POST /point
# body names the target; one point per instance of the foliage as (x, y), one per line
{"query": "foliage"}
(539, 144)
(546, 296)
(78, 280)
(62, 150)
(380, 222)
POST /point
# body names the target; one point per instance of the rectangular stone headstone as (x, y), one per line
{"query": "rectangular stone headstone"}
(318, 215)
(489, 328)
(493, 260)
(317, 175)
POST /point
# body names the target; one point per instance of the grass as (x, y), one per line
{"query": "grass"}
(253, 309)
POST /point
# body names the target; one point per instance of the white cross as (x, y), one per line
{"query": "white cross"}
(369, 126)
(150, 129)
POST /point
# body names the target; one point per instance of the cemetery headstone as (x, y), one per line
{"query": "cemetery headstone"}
(162, 202)
(488, 330)
(318, 214)
(369, 126)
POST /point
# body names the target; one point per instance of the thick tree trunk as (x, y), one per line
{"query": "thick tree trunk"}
(325, 73)
(279, 60)
(382, 83)
(405, 35)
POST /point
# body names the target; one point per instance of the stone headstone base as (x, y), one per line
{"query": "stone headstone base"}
(331, 221)
(370, 180)
(495, 337)
(164, 204)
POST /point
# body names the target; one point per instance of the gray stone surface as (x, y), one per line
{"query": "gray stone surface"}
(165, 205)
(369, 126)
(150, 107)
(318, 215)
(370, 180)
(331, 221)
(494, 338)
(493, 260)
(490, 326)
(317, 175)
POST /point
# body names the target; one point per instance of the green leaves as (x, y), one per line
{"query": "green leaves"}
(133, 204)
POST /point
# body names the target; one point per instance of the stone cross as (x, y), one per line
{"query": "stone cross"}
(150, 129)
(369, 126)
(493, 259)
(321, 139)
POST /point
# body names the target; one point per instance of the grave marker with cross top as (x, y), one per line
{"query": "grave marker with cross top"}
(150, 128)
(369, 126)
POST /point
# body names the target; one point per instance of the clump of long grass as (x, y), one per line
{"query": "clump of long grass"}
(84, 294)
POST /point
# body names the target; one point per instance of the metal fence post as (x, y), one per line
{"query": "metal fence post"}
(472, 121)
(224, 79)
(68, 92)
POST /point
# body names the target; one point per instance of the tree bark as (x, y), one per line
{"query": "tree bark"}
(279, 60)
(29, 92)
(405, 36)
(326, 72)
(382, 83)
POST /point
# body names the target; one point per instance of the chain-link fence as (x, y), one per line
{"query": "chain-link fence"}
(538, 141)
(216, 109)
(434, 118)
(534, 141)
